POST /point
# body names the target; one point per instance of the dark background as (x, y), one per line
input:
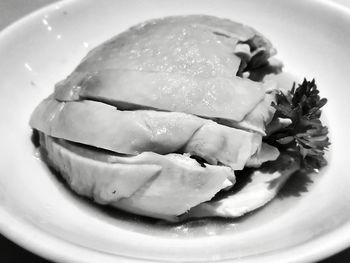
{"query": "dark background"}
(10, 11)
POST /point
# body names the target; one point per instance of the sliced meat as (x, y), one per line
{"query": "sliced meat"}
(147, 184)
(163, 46)
(229, 98)
(187, 64)
(133, 132)
(218, 144)
(259, 117)
(264, 154)
(180, 44)
(261, 187)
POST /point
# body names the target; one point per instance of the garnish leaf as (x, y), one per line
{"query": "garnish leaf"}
(306, 137)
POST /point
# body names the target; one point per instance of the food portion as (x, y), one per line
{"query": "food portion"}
(161, 186)
(262, 186)
(210, 97)
(134, 132)
(156, 120)
(190, 64)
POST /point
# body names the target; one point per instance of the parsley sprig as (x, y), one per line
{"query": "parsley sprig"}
(305, 137)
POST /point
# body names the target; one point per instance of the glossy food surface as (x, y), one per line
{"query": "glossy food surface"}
(35, 203)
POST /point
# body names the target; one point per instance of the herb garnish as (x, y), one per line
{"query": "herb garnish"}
(305, 137)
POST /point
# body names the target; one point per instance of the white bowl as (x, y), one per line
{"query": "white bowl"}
(40, 213)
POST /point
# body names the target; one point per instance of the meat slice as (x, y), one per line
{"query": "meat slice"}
(173, 44)
(261, 186)
(133, 132)
(258, 118)
(186, 64)
(265, 153)
(228, 98)
(147, 184)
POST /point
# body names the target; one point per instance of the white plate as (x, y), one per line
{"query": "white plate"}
(38, 211)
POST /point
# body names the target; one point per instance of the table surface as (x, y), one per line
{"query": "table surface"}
(10, 11)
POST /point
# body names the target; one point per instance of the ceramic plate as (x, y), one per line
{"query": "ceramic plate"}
(309, 220)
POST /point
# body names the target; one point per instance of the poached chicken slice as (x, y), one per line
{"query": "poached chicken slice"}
(161, 186)
(262, 186)
(133, 132)
(186, 64)
(228, 98)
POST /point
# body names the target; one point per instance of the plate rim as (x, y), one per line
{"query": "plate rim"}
(49, 251)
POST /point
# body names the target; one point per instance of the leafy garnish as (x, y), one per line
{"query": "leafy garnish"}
(305, 136)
